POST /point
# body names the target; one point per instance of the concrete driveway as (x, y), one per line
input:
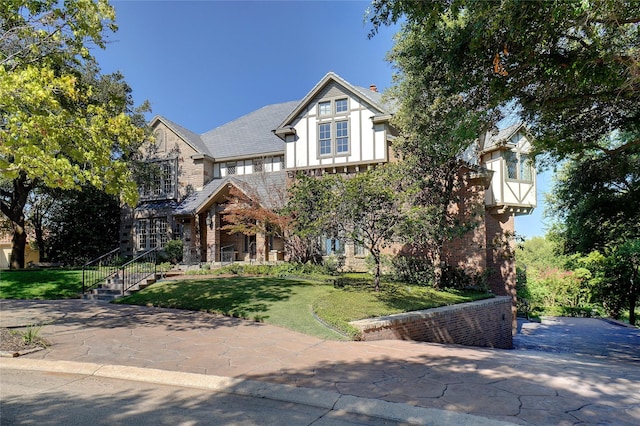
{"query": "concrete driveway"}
(582, 337)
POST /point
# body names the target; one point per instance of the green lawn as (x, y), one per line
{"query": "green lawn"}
(291, 303)
(40, 284)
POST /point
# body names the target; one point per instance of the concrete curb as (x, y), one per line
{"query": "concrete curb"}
(317, 398)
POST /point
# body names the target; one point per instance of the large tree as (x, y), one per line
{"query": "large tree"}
(570, 69)
(596, 202)
(58, 128)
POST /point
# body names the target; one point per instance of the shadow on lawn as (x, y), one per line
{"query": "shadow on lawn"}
(247, 298)
(178, 305)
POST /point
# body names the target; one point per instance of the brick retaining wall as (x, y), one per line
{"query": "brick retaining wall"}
(484, 323)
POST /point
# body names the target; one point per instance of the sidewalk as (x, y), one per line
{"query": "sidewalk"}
(522, 387)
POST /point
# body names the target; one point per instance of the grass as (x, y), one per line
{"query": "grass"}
(291, 303)
(285, 302)
(40, 284)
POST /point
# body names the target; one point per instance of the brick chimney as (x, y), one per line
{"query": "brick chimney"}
(373, 87)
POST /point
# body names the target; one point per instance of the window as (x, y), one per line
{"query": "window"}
(518, 166)
(142, 234)
(231, 168)
(331, 245)
(160, 182)
(325, 138)
(324, 108)
(333, 127)
(258, 165)
(152, 233)
(342, 137)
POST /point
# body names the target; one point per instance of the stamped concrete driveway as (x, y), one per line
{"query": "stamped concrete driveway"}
(581, 337)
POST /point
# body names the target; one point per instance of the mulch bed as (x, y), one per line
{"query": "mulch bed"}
(12, 343)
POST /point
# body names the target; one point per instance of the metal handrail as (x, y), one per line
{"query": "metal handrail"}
(100, 269)
(138, 269)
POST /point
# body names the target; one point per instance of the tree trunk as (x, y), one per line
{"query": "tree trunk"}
(19, 242)
(15, 212)
(376, 279)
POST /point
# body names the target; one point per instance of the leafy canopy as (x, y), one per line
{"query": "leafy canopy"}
(570, 69)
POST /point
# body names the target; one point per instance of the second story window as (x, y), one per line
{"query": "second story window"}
(518, 166)
(325, 138)
(342, 136)
(231, 168)
(333, 127)
(160, 182)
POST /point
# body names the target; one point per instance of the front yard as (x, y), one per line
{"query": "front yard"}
(311, 305)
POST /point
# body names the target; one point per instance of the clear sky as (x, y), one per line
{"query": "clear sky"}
(204, 63)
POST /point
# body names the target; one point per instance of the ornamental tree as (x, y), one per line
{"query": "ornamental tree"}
(61, 125)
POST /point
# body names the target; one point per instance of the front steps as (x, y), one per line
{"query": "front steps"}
(111, 289)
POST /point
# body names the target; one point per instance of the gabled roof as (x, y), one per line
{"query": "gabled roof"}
(374, 99)
(262, 184)
(249, 135)
(496, 140)
(187, 135)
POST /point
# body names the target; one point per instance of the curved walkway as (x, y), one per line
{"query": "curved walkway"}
(524, 387)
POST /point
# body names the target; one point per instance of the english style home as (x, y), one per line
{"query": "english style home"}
(336, 128)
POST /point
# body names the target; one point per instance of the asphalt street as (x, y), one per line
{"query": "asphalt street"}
(49, 398)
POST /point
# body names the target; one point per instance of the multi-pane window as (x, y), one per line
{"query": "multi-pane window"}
(333, 127)
(518, 166)
(258, 165)
(324, 108)
(142, 234)
(161, 181)
(231, 168)
(152, 233)
(325, 138)
(167, 181)
(342, 136)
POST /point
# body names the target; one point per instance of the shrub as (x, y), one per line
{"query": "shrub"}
(412, 270)
(173, 251)
(458, 278)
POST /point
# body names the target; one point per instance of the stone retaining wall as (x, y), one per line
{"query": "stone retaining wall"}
(485, 323)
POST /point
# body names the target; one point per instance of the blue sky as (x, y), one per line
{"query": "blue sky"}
(204, 63)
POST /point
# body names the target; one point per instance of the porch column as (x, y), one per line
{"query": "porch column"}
(213, 234)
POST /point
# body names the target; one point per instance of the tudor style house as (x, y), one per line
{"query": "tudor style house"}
(336, 128)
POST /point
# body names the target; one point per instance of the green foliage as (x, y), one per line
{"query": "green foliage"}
(459, 279)
(81, 225)
(412, 269)
(48, 284)
(596, 199)
(173, 250)
(31, 335)
(63, 125)
(569, 69)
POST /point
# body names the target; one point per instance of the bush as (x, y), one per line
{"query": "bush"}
(173, 251)
(459, 279)
(412, 270)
